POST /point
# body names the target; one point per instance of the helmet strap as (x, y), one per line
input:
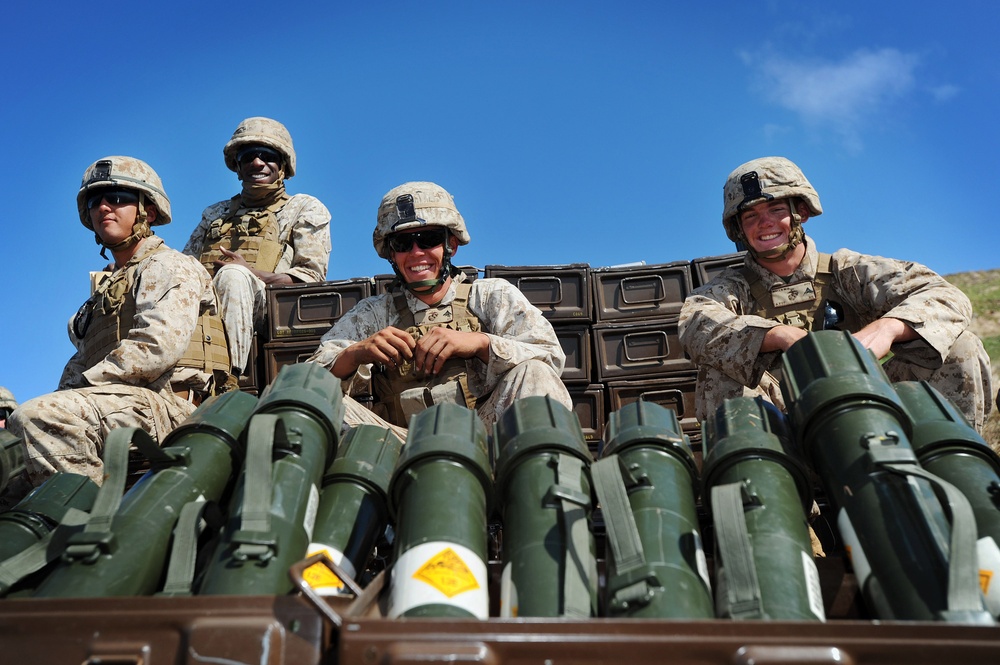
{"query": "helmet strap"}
(426, 286)
(777, 254)
(140, 230)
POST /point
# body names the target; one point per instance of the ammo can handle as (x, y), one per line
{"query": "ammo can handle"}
(666, 344)
(644, 301)
(557, 281)
(336, 313)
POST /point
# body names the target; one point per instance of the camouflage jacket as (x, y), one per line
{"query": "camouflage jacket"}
(517, 330)
(718, 327)
(303, 226)
(170, 292)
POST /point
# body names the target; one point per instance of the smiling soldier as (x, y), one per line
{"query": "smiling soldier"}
(261, 236)
(435, 337)
(737, 326)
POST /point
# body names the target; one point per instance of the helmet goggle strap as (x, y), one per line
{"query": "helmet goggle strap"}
(140, 230)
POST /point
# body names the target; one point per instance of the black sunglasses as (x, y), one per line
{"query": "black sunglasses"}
(253, 152)
(115, 197)
(402, 242)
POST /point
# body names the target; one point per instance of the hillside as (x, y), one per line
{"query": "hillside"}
(983, 289)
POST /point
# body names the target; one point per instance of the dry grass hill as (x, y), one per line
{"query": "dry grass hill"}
(983, 289)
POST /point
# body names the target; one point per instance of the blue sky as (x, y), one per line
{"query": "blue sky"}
(568, 132)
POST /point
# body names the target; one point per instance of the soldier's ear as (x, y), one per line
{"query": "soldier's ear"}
(151, 213)
(452, 244)
(802, 209)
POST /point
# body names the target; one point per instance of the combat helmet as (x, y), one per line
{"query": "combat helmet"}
(765, 179)
(416, 204)
(261, 131)
(127, 173)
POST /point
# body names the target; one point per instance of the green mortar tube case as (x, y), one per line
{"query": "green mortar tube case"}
(440, 495)
(11, 458)
(543, 485)
(759, 493)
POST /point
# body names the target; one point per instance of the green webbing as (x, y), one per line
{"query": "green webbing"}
(623, 534)
(184, 552)
(254, 538)
(42, 552)
(574, 504)
(732, 542)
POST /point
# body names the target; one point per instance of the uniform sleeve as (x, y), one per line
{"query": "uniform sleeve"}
(168, 293)
(310, 240)
(517, 330)
(714, 330)
(196, 243)
(362, 321)
(878, 287)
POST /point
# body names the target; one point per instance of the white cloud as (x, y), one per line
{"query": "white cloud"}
(841, 95)
(943, 93)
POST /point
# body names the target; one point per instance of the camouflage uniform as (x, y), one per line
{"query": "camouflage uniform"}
(723, 334)
(136, 385)
(525, 355)
(303, 232)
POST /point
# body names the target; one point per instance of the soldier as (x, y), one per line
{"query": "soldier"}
(262, 235)
(435, 337)
(7, 404)
(149, 344)
(736, 326)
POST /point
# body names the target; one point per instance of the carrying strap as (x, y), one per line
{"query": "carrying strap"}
(580, 570)
(964, 594)
(254, 539)
(42, 552)
(194, 518)
(608, 476)
(97, 537)
(732, 543)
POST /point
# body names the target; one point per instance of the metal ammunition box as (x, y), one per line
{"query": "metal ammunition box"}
(675, 392)
(707, 267)
(640, 292)
(646, 349)
(309, 310)
(588, 405)
(561, 292)
(279, 354)
(382, 282)
(575, 342)
(254, 372)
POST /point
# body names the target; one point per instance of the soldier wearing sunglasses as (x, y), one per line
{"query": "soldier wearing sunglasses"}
(434, 337)
(262, 235)
(149, 344)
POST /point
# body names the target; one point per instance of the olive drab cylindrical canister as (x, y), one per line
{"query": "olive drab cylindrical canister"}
(544, 490)
(440, 495)
(855, 430)
(646, 483)
(353, 505)
(291, 439)
(123, 549)
(62, 499)
(11, 458)
(759, 493)
(951, 449)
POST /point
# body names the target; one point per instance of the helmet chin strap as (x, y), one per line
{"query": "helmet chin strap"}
(140, 230)
(777, 254)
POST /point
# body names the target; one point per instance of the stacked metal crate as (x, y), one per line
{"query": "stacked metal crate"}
(563, 294)
(298, 315)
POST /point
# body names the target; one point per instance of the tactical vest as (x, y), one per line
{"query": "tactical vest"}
(253, 232)
(806, 304)
(110, 311)
(389, 383)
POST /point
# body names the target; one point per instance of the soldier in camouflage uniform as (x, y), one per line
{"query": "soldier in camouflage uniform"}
(7, 404)
(737, 326)
(434, 337)
(149, 343)
(262, 235)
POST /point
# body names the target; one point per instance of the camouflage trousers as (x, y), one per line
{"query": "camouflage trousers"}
(65, 430)
(526, 379)
(964, 378)
(242, 305)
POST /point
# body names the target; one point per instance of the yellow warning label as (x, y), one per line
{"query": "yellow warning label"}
(446, 572)
(318, 576)
(984, 580)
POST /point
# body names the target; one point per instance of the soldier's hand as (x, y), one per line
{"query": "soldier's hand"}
(389, 346)
(879, 335)
(230, 258)
(439, 345)
(779, 338)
